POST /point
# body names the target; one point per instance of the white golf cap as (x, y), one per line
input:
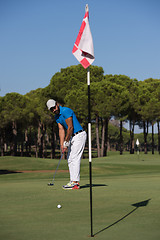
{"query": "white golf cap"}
(51, 103)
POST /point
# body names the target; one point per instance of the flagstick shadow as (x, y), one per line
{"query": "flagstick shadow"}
(93, 185)
(136, 205)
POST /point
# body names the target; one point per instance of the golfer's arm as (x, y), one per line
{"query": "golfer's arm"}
(61, 134)
(70, 129)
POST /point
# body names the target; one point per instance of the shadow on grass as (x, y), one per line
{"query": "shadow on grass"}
(93, 185)
(136, 205)
(8, 172)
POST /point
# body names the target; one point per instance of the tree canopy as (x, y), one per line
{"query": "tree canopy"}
(112, 97)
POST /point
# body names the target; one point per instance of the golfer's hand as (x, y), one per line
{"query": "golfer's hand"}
(64, 150)
(65, 146)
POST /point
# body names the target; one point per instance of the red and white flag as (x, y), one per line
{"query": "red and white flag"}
(83, 48)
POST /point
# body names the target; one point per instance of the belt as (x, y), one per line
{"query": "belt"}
(77, 133)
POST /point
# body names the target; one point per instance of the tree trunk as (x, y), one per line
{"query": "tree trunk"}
(39, 140)
(22, 148)
(36, 145)
(5, 147)
(43, 140)
(158, 136)
(2, 144)
(121, 139)
(106, 137)
(152, 137)
(103, 136)
(108, 145)
(132, 137)
(97, 136)
(145, 136)
(26, 141)
(29, 142)
(14, 144)
(52, 143)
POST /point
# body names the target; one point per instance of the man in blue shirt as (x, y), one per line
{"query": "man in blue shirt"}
(74, 140)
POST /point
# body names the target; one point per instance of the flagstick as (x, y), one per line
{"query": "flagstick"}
(89, 147)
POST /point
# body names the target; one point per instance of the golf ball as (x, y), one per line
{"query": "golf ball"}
(59, 206)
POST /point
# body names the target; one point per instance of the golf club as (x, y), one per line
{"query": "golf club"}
(51, 183)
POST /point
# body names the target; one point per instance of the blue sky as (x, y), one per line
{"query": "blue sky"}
(37, 37)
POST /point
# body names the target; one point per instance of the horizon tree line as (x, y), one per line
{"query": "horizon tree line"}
(25, 121)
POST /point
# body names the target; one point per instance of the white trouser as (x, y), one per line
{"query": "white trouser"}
(75, 150)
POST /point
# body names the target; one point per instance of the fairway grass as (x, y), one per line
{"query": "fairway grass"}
(125, 199)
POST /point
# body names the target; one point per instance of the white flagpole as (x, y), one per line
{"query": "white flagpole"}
(89, 148)
(84, 52)
(89, 115)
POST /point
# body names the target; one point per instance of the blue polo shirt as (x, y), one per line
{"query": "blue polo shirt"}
(66, 113)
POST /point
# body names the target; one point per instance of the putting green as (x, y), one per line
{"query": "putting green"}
(125, 200)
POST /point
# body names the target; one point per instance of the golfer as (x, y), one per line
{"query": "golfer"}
(73, 141)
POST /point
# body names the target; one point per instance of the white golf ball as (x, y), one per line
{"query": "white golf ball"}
(59, 206)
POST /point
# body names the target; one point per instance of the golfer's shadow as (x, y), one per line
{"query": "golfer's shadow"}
(93, 185)
(136, 205)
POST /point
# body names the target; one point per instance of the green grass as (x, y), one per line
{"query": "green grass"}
(28, 206)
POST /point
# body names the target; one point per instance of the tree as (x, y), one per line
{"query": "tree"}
(70, 78)
(154, 106)
(13, 116)
(146, 105)
(122, 105)
(40, 118)
(133, 115)
(107, 98)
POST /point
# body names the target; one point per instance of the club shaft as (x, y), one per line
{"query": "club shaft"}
(57, 167)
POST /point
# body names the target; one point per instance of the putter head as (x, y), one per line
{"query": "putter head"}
(50, 184)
